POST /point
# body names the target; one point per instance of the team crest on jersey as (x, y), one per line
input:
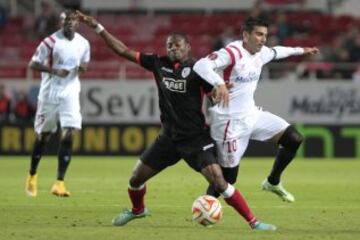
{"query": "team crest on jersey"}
(212, 56)
(185, 72)
(175, 85)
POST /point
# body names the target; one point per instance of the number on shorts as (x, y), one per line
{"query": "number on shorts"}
(232, 146)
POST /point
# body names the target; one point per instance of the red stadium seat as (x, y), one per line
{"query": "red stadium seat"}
(10, 72)
(147, 33)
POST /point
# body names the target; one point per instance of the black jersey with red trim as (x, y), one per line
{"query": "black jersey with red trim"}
(180, 92)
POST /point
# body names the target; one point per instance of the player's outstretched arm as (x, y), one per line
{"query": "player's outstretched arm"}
(112, 42)
(43, 68)
(284, 52)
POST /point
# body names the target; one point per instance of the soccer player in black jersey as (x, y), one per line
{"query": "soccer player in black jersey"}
(183, 135)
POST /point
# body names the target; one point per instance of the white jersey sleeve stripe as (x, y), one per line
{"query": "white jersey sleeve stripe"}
(228, 69)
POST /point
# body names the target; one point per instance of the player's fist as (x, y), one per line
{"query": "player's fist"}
(311, 50)
(88, 20)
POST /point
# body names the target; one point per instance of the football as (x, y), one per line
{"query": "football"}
(206, 210)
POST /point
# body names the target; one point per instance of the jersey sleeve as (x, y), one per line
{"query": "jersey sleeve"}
(267, 54)
(279, 52)
(208, 67)
(42, 53)
(219, 59)
(86, 55)
(147, 61)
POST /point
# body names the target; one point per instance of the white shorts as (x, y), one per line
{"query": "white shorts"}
(67, 112)
(232, 135)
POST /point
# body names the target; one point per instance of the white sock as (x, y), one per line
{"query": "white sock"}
(229, 191)
(136, 188)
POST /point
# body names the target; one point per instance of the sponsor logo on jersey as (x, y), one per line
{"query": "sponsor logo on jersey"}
(175, 85)
(185, 72)
(167, 70)
(250, 77)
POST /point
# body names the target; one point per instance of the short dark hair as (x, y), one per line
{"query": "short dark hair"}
(251, 22)
(179, 34)
(69, 12)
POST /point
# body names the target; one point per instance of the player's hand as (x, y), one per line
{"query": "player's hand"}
(222, 95)
(60, 72)
(88, 20)
(214, 92)
(311, 50)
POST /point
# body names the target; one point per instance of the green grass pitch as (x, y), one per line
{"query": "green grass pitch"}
(327, 202)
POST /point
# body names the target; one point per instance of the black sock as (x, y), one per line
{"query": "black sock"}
(283, 158)
(64, 158)
(38, 150)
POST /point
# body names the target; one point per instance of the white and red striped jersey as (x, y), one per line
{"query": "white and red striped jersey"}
(59, 52)
(234, 64)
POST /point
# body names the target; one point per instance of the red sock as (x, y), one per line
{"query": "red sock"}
(239, 203)
(137, 199)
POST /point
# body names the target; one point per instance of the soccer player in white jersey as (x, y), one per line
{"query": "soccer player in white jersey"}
(237, 119)
(60, 58)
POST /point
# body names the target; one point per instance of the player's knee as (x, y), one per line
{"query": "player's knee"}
(43, 138)
(291, 139)
(68, 134)
(66, 143)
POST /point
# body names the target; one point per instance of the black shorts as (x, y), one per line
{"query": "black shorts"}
(198, 152)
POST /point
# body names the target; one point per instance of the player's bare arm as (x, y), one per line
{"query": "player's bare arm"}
(115, 44)
(43, 68)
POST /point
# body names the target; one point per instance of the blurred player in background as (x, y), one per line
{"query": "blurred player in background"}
(183, 134)
(60, 58)
(237, 119)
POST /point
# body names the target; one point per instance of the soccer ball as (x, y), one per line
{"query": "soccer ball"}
(206, 210)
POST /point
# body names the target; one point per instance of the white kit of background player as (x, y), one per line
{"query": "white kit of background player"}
(60, 58)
